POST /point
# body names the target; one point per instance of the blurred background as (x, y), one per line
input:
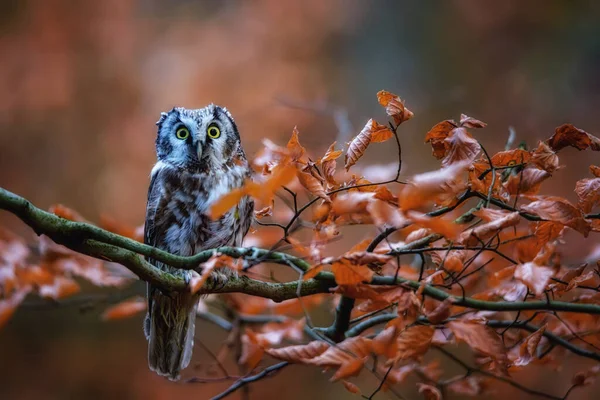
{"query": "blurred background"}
(83, 82)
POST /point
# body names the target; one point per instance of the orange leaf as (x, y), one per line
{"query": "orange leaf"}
(527, 350)
(115, 226)
(536, 277)
(414, 341)
(312, 184)
(358, 146)
(61, 287)
(511, 157)
(125, 309)
(441, 312)
(226, 203)
(437, 136)
(380, 133)
(346, 273)
(481, 233)
(588, 192)
(436, 186)
(329, 163)
(299, 354)
(66, 213)
(294, 147)
(312, 272)
(527, 182)
(461, 146)
(348, 369)
(351, 387)
(386, 215)
(559, 210)
(568, 135)
(545, 158)
(469, 122)
(394, 107)
(429, 392)
(252, 349)
(440, 225)
(9, 304)
(386, 342)
(595, 171)
(480, 338)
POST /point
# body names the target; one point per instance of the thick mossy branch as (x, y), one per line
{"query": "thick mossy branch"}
(99, 243)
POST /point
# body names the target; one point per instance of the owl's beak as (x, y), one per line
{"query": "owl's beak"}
(199, 150)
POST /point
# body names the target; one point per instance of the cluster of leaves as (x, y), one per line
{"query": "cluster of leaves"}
(457, 255)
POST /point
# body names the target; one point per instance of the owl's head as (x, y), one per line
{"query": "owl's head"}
(198, 140)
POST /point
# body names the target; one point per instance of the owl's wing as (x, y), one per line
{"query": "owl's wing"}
(151, 236)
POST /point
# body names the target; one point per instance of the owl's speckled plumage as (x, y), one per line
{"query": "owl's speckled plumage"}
(189, 176)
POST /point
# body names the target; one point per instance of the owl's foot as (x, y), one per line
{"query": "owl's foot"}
(219, 278)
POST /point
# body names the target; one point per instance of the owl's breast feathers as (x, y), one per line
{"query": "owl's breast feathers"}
(178, 204)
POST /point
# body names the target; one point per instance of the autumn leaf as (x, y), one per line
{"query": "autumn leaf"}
(536, 277)
(294, 147)
(441, 312)
(394, 107)
(595, 170)
(414, 341)
(299, 353)
(60, 288)
(429, 392)
(479, 234)
(312, 185)
(480, 338)
(440, 225)
(66, 213)
(386, 342)
(437, 137)
(386, 215)
(372, 131)
(559, 210)
(312, 272)
(346, 273)
(253, 349)
(125, 309)
(351, 387)
(526, 182)
(511, 157)
(568, 135)
(266, 211)
(436, 186)
(380, 133)
(461, 146)
(329, 163)
(226, 203)
(527, 349)
(469, 122)
(115, 226)
(588, 193)
(9, 304)
(545, 158)
(358, 146)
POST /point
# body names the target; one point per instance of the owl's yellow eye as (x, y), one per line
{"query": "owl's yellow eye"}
(182, 133)
(213, 132)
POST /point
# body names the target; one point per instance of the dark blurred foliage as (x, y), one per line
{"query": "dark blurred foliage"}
(82, 83)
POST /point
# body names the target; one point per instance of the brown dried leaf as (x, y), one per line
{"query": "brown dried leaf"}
(414, 341)
(559, 210)
(595, 170)
(300, 353)
(480, 338)
(125, 309)
(588, 192)
(358, 146)
(511, 157)
(527, 182)
(351, 387)
(394, 107)
(380, 133)
(545, 158)
(469, 122)
(479, 234)
(568, 135)
(527, 350)
(437, 136)
(65, 212)
(536, 277)
(294, 147)
(436, 186)
(346, 273)
(429, 392)
(313, 185)
(441, 312)
(440, 225)
(461, 146)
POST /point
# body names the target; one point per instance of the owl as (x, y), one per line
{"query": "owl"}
(200, 158)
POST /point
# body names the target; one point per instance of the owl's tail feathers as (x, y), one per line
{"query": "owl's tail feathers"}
(170, 330)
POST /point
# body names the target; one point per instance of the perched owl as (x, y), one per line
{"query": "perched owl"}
(200, 158)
